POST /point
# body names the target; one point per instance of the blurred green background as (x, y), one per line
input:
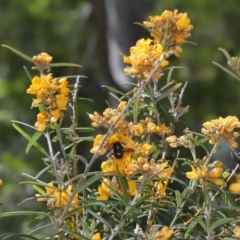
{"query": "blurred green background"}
(92, 33)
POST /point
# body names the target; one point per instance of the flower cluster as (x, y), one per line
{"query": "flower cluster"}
(222, 129)
(41, 61)
(211, 173)
(59, 197)
(105, 192)
(143, 58)
(133, 160)
(170, 29)
(51, 94)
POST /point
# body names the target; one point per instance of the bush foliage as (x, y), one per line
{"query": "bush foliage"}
(148, 187)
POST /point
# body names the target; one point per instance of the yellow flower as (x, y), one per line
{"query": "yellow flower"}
(41, 123)
(62, 198)
(235, 187)
(173, 141)
(143, 59)
(164, 234)
(1, 182)
(41, 60)
(52, 95)
(121, 106)
(178, 30)
(222, 129)
(96, 236)
(194, 174)
(96, 144)
(104, 190)
(236, 231)
(63, 89)
(61, 101)
(145, 148)
(132, 188)
(55, 115)
(59, 197)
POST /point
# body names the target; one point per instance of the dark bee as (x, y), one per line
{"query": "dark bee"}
(118, 150)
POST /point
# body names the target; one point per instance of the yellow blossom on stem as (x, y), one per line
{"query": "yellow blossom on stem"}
(41, 123)
(104, 190)
(175, 26)
(96, 236)
(41, 60)
(235, 187)
(164, 234)
(197, 174)
(51, 94)
(143, 58)
(132, 188)
(59, 197)
(222, 129)
(96, 144)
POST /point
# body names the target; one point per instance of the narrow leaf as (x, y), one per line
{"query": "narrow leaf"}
(23, 213)
(170, 74)
(178, 199)
(39, 190)
(168, 91)
(227, 71)
(18, 52)
(136, 109)
(64, 65)
(98, 217)
(114, 90)
(227, 55)
(87, 183)
(59, 134)
(192, 225)
(33, 140)
(124, 185)
(28, 137)
(13, 236)
(220, 222)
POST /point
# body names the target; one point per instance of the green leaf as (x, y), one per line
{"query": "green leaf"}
(59, 133)
(18, 52)
(23, 213)
(87, 183)
(80, 139)
(25, 236)
(28, 137)
(220, 222)
(192, 225)
(136, 109)
(33, 140)
(227, 55)
(170, 74)
(168, 91)
(98, 217)
(39, 190)
(64, 65)
(114, 90)
(81, 158)
(178, 199)
(124, 185)
(227, 71)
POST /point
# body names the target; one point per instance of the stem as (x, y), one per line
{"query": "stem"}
(74, 121)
